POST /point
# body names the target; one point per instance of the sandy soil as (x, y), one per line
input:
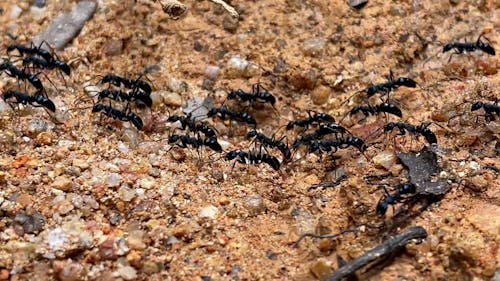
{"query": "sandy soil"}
(87, 198)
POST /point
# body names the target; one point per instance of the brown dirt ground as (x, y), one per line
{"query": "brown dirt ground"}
(175, 243)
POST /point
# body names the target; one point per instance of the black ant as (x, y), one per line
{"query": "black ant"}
(489, 108)
(316, 117)
(374, 109)
(271, 142)
(127, 83)
(38, 100)
(14, 72)
(463, 47)
(41, 63)
(237, 116)
(331, 128)
(32, 50)
(253, 158)
(186, 140)
(390, 85)
(189, 123)
(119, 95)
(323, 130)
(396, 197)
(255, 96)
(334, 145)
(114, 113)
(421, 129)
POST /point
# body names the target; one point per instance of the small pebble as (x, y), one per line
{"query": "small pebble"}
(384, 159)
(254, 204)
(320, 95)
(127, 273)
(65, 207)
(135, 240)
(131, 137)
(126, 194)
(147, 183)
(230, 24)
(39, 3)
(71, 272)
(236, 67)
(478, 183)
(4, 108)
(313, 46)
(211, 72)
(208, 212)
(15, 12)
(123, 148)
(6, 137)
(108, 250)
(62, 183)
(113, 180)
(172, 98)
(358, 4)
(113, 47)
(157, 98)
(36, 126)
(321, 270)
(45, 138)
(38, 13)
(177, 86)
(56, 238)
(150, 267)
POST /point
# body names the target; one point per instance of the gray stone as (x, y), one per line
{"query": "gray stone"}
(65, 27)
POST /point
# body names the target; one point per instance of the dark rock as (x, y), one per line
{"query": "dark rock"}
(423, 166)
(357, 4)
(39, 3)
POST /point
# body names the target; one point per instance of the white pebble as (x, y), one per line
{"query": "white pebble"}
(208, 212)
(127, 273)
(236, 67)
(56, 238)
(211, 72)
(15, 12)
(113, 180)
(126, 194)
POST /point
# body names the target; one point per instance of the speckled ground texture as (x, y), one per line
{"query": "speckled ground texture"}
(86, 198)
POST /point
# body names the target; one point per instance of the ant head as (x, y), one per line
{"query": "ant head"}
(372, 90)
(447, 47)
(326, 117)
(476, 106)
(405, 81)
(64, 67)
(97, 107)
(47, 103)
(173, 138)
(231, 155)
(357, 142)
(173, 118)
(7, 95)
(381, 207)
(313, 147)
(136, 120)
(389, 127)
(252, 133)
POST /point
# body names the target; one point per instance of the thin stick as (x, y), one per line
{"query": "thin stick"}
(389, 246)
(227, 7)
